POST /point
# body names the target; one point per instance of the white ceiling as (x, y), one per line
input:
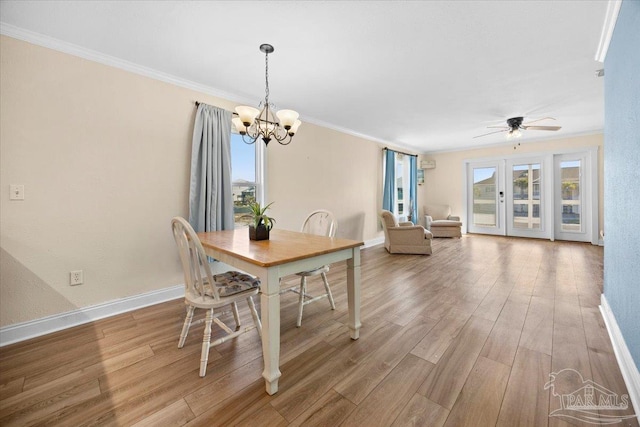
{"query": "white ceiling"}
(425, 76)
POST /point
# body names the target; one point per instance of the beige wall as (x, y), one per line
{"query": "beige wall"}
(326, 169)
(104, 157)
(444, 184)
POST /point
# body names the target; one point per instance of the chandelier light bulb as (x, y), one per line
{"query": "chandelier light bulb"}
(247, 114)
(295, 127)
(240, 127)
(287, 118)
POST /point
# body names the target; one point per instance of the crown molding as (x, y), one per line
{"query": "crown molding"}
(394, 144)
(92, 55)
(613, 8)
(95, 56)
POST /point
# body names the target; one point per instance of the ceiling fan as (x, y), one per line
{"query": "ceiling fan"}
(514, 125)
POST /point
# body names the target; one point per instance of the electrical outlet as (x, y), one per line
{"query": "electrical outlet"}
(75, 277)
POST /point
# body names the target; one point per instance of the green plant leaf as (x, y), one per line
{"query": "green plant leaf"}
(259, 216)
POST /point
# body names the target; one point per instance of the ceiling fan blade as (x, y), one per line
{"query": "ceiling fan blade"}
(538, 120)
(490, 133)
(542, 127)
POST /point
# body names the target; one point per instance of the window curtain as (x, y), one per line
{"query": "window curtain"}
(413, 188)
(388, 192)
(210, 193)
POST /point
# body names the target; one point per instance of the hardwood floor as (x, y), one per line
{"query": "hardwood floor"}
(465, 337)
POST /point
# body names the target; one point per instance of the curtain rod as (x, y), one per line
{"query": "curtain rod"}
(198, 104)
(406, 154)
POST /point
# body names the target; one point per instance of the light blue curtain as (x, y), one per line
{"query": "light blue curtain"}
(413, 188)
(210, 193)
(389, 190)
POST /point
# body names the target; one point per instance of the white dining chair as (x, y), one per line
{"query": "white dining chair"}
(322, 223)
(210, 292)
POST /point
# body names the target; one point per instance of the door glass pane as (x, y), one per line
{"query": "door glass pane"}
(570, 191)
(484, 197)
(526, 196)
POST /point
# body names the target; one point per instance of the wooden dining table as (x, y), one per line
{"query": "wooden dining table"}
(285, 253)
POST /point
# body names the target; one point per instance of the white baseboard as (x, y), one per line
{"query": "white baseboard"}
(34, 328)
(373, 242)
(623, 355)
(46, 325)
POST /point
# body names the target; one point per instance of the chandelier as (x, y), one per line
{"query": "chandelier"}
(252, 123)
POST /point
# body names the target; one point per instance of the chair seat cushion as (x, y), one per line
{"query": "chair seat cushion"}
(445, 223)
(234, 282)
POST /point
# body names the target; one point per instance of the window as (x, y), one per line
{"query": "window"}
(402, 187)
(246, 176)
(398, 189)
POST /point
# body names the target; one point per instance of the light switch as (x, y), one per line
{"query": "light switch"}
(16, 192)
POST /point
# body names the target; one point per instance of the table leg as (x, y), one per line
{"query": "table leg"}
(270, 313)
(353, 293)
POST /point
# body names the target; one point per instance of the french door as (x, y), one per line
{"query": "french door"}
(526, 197)
(573, 204)
(548, 196)
(485, 197)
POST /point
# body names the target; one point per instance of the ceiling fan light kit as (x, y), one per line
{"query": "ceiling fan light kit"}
(514, 134)
(253, 123)
(514, 124)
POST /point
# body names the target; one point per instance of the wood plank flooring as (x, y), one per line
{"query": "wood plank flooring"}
(465, 337)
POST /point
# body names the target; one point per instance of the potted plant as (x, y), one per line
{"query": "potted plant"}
(262, 223)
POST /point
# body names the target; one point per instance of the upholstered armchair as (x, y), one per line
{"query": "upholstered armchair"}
(404, 237)
(440, 222)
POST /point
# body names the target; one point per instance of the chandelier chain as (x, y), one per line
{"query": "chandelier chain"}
(266, 78)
